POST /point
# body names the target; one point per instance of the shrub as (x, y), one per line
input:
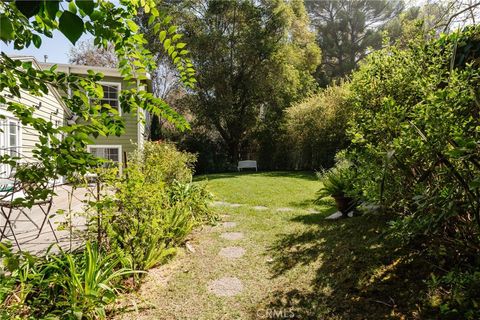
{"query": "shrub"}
(154, 206)
(414, 135)
(415, 140)
(316, 127)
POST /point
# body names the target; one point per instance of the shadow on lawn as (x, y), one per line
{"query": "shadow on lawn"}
(356, 272)
(280, 174)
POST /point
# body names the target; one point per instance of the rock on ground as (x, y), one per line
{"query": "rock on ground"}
(232, 252)
(225, 287)
(232, 235)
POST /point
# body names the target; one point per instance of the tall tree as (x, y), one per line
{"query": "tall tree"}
(86, 53)
(346, 29)
(253, 59)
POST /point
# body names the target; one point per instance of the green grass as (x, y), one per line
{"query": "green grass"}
(271, 189)
(295, 261)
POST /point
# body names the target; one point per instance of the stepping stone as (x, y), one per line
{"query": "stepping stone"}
(284, 209)
(232, 252)
(260, 208)
(220, 203)
(311, 210)
(225, 287)
(232, 235)
(224, 216)
(235, 205)
(229, 224)
(335, 216)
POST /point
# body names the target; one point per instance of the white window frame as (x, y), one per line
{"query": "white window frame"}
(119, 86)
(5, 147)
(109, 146)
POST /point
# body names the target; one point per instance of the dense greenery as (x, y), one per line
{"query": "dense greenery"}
(153, 207)
(347, 30)
(414, 149)
(315, 128)
(253, 60)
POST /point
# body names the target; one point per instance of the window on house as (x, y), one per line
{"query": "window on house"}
(111, 93)
(112, 153)
(10, 142)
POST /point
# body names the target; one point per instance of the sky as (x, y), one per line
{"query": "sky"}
(55, 48)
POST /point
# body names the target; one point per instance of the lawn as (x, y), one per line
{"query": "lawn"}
(296, 262)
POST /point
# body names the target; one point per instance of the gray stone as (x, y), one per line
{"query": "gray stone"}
(335, 216)
(313, 211)
(260, 208)
(190, 247)
(229, 224)
(235, 205)
(232, 252)
(220, 203)
(232, 235)
(225, 287)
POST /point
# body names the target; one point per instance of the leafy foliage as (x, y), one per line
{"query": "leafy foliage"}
(64, 285)
(253, 59)
(154, 206)
(62, 149)
(415, 140)
(346, 30)
(315, 128)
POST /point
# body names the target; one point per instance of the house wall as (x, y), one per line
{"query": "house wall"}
(129, 139)
(134, 125)
(50, 110)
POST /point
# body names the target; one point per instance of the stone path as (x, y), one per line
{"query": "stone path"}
(232, 252)
(229, 224)
(232, 236)
(228, 286)
(225, 287)
(231, 286)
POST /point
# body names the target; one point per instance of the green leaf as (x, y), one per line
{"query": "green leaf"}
(162, 35)
(72, 7)
(37, 41)
(172, 29)
(181, 45)
(6, 28)
(28, 8)
(132, 25)
(86, 6)
(51, 7)
(71, 26)
(166, 44)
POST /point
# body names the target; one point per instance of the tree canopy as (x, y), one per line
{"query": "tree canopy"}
(346, 29)
(253, 60)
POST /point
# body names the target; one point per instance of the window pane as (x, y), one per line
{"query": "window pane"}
(112, 154)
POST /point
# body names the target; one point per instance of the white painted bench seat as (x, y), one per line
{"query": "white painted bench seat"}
(247, 164)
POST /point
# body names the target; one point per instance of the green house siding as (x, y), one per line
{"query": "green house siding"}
(134, 130)
(128, 140)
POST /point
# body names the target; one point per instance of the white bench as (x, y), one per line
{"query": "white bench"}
(247, 164)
